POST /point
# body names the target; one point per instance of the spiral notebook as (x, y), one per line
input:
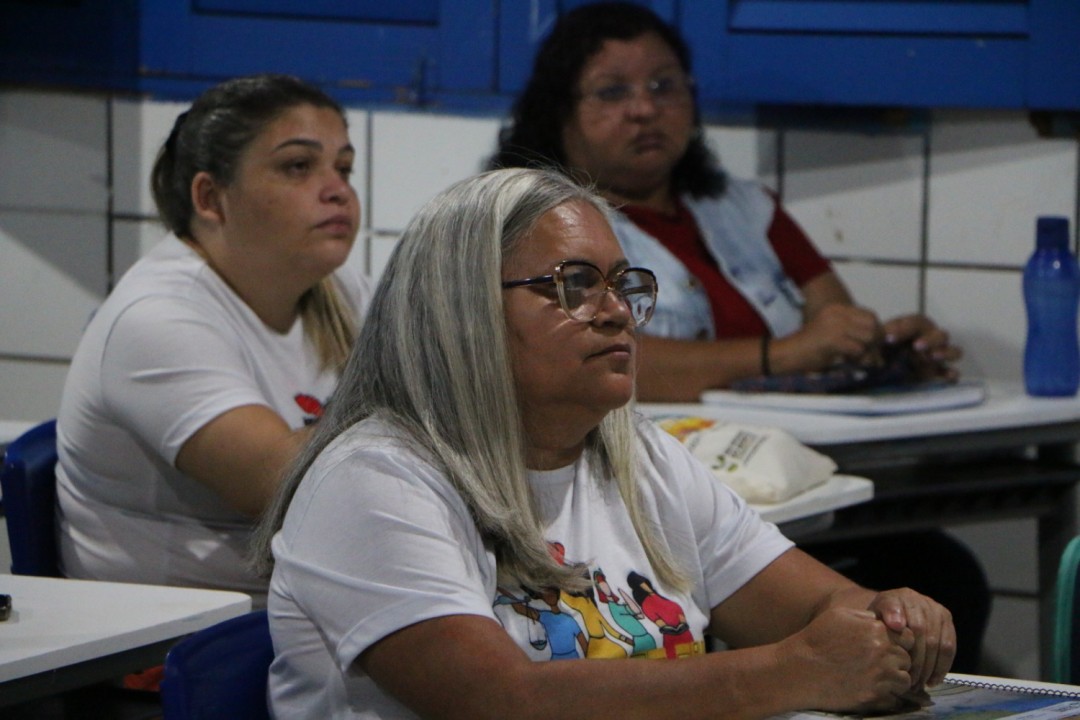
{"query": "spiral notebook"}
(979, 697)
(932, 397)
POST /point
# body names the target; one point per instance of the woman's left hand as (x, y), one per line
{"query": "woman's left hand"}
(921, 626)
(928, 340)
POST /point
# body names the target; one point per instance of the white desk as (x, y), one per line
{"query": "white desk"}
(812, 511)
(64, 634)
(1011, 457)
(1006, 408)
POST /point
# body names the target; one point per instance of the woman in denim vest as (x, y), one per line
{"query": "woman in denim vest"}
(743, 290)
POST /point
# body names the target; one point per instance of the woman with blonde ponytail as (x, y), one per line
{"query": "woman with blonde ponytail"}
(196, 382)
(439, 538)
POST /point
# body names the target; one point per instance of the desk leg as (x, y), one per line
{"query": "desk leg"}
(1054, 533)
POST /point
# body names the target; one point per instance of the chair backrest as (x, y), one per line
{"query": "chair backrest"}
(28, 483)
(220, 672)
(1066, 650)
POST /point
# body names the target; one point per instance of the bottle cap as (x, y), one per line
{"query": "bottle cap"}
(1052, 232)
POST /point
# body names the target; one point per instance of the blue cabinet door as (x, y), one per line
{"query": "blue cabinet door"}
(69, 43)
(922, 53)
(1054, 56)
(475, 55)
(523, 25)
(406, 51)
(914, 53)
(417, 52)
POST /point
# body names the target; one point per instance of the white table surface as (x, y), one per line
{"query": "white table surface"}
(1005, 407)
(58, 622)
(837, 492)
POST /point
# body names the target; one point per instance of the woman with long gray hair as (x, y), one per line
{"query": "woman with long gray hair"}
(480, 459)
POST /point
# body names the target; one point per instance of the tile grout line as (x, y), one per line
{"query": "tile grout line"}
(924, 216)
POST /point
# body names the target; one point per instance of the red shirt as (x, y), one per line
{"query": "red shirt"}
(733, 316)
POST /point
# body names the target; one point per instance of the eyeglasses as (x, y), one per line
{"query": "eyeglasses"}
(582, 287)
(666, 90)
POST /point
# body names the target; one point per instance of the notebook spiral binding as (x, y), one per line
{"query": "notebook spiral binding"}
(1046, 689)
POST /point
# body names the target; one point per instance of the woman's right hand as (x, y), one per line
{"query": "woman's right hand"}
(836, 332)
(849, 662)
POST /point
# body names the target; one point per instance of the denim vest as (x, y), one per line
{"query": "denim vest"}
(735, 228)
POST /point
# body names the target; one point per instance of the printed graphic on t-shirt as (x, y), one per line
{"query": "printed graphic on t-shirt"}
(610, 619)
(312, 407)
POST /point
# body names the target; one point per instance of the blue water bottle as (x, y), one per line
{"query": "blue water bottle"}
(1052, 295)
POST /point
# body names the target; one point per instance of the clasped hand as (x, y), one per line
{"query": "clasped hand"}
(923, 628)
(841, 332)
(880, 658)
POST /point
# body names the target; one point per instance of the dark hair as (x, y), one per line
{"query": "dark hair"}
(534, 136)
(636, 580)
(213, 133)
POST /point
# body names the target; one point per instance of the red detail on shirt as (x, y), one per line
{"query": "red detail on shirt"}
(733, 316)
(309, 404)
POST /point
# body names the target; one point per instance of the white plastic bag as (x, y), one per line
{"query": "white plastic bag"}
(763, 465)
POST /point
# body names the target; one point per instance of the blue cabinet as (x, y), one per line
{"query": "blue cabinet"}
(474, 55)
(523, 25)
(915, 53)
(1054, 55)
(53, 42)
(920, 53)
(406, 51)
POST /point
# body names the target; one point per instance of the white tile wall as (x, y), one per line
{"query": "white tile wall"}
(53, 150)
(52, 275)
(131, 240)
(859, 196)
(414, 156)
(359, 134)
(984, 314)
(139, 128)
(30, 389)
(380, 248)
(745, 152)
(888, 290)
(990, 176)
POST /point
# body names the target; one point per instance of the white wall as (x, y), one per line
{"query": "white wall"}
(940, 220)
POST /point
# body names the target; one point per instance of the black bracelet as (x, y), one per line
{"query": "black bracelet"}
(765, 369)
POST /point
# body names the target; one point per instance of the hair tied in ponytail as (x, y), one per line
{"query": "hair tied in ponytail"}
(170, 144)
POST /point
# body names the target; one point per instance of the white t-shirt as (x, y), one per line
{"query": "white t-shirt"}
(170, 349)
(377, 539)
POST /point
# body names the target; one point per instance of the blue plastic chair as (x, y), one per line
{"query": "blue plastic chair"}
(220, 673)
(1066, 650)
(28, 483)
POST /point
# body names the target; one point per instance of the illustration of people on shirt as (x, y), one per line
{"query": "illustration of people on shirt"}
(565, 639)
(625, 613)
(598, 644)
(667, 614)
(536, 633)
(600, 631)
